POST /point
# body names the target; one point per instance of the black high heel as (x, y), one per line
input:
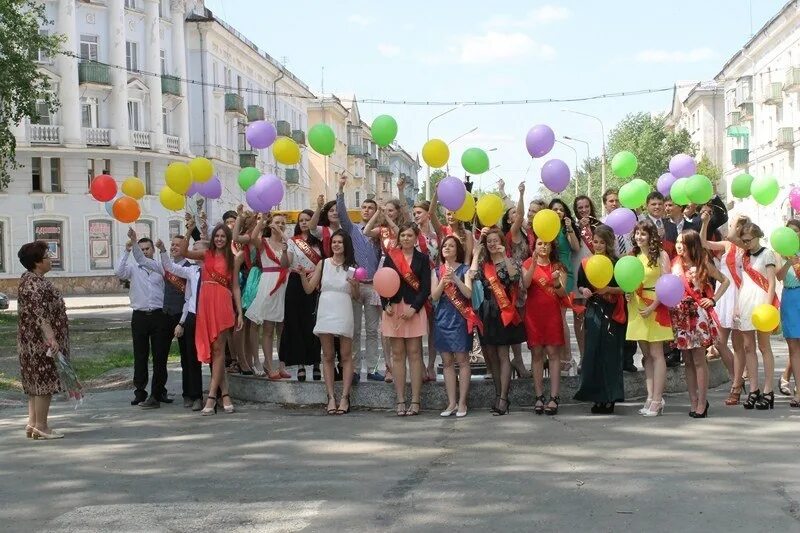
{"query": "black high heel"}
(552, 410)
(316, 373)
(704, 413)
(495, 407)
(539, 409)
(498, 411)
(301, 373)
(752, 399)
(766, 401)
(344, 411)
(331, 411)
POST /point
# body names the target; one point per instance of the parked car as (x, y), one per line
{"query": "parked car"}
(3, 302)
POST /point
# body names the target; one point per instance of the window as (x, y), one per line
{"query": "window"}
(51, 232)
(42, 113)
(239, 85)
(147, 185)
(132, 55)
(36, 174)
(358, 198)
(90, 171)
(164, 121)
(136, 169)
(100, 245)
(214, 76)
(42, 56)
(175, 228)
(89, 112)
(130, 4)
(134, 113)
(163, 61)
(144, 228)
(2, 246)
(107, 166)
(55, 174)
(89, 47)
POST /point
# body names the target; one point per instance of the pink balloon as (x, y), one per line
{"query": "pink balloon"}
(555, 175)
(664, 183)
(794, 198)
(622, 220)
(682, 166)
(670, 290)
(386, 282)
(361, 274)
(260, 134)
(451, 192)
(540, 140)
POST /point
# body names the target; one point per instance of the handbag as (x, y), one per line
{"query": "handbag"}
(477, 294)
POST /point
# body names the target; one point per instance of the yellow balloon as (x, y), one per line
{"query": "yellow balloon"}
(178, 177)
(286, 151)
(489, 209)
(435, 153)
(466, 212)
(766, 318)
(171, 200)
(546, 225)
(599, 271)
(133, 187)
(202, 169)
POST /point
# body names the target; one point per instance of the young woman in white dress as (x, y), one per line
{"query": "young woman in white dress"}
(338, 289)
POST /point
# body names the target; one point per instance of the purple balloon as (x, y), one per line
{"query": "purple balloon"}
(451, 192)
(682, 166)
(255, 201)
(555, 175)
(622, 220)
(210, 189)
(670, 290)
(664, 183)
(540, 140)
(260, 134)
(272, 191)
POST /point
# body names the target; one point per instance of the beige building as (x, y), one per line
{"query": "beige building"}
(699, 108)
(325, 171)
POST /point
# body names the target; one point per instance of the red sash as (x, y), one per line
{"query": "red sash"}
(758, 278)
(586, 235)
(176, 281)
(447, 231)
(283, 272)
(692, 292)
(461, 303)
(422, 242)
(306, 248)
(662, 311)
(508, 306)
(730, 261)
(326, 241)
(543, 279)
(388, 239)
(669, 247)
(402, 266)
(219, 278)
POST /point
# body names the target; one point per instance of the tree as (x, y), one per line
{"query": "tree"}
(436, 176)
(22, 85)
(709, 170)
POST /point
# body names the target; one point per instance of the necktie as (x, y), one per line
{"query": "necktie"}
(660, 227)
(621, 244)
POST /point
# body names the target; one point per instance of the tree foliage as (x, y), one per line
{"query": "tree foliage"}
(22, 84)
(436, 176)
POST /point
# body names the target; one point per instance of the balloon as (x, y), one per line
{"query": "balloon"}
(210, 189)
(629, 273)
(540, 140)
(785, 241)
(599, 271)
(794, 198)
(193, 189)
(133, 187)
(273, 189)
(202, 169)
(361, 274)
(384, 130)
(322, 139)
(764, 189)
(386, 282)
(740, 186)
(171, 200)
(451, 192)
(624, 164)
(555, 175)
(260, 134)
(546, 225)
(670, 290)
(682, 166)
(247, 177)
(466, 212)
(286, 151)
(678, 192)
(255, 201)
(178, 177)
(634, 193)
(110, 205)
(621, 220)
(766, 318)
(126, 210)
(475, 161)
(435, 153)
(103, 188)
(490, 209)
(664, 183)
(699, 189)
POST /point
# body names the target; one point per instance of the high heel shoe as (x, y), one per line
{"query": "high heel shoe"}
(316, 373)
(341, 411)
(646, 406)
(410, 411)
(328, 409)
(734, 396)
(766, 401)
(41, 435)
(228, 408)
(752, 399)
(400, 412)
(461, 414)
(501, 412)
(539, 409)
(448, 412)
(552, 410)
(301, 374)
(29, 431)
(658, 406)
(704, 414)
(210, 410)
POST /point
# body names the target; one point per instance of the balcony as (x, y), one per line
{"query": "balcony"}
(774, 94)
(284, 128)
(247, 159)
(170, 85)
(384, 168)
(140, 139)
(45, 134)
(93, 72)
(234, 103)
(299, 137)
(733, 118)
(745, 111)
(792, 84)
(744, 89)
(740, 157)
(355, 149)
(785, 138)
(372, 162)
(292, 176)
(255, 112)
(173, 143)
(97, 136)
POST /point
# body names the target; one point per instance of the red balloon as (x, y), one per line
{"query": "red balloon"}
(386, 282)
(126, 210)
(103, 188)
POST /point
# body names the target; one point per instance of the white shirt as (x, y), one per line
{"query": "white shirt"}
(191, 274)
(146, 277)
(624, 242)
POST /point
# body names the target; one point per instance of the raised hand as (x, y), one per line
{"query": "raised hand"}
(320, 201)
(521, 188)
(160, 245)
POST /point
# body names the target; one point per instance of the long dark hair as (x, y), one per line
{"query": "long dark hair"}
(349, 254)
(323, 216)
(593, 221)
(227, 251)
(312, 239)
(793, 222)
(268, 228)
(552, 257)
(567, 213)
(506, 224)
(697, 254)
(654, 242)
(460, 253)
(607, 234)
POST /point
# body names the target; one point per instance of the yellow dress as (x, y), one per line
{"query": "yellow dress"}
(646, 329)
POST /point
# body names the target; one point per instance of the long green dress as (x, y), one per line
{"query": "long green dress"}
(565, 257)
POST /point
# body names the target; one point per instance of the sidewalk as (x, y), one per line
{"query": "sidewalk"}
(89, 301)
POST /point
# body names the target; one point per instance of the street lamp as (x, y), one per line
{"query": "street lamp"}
(463, 135)
(588, 157)
(576, 162)
(428, 138)
(603, 157)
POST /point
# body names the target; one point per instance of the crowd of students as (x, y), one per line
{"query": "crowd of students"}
(470, 290)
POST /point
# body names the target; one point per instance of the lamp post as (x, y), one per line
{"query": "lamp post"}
(603, 156)
(576, 162)
(588, 157)
(463, 135)
(428, 138)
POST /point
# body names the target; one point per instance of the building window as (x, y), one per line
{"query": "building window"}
(163, 61)
(164, 120)
(175, 228)
(130, 4)
(134, 112)
(136, 169)
(89, 47)
(147, 184)
(42, 113)
(144, 228)
(90, 171)
(89, 112)
(132, 55)
(2, 246)
(41, 56)
(55, 174)
(107, 166)
(51, 232)
(358, 198)
(36, 174)
(100, 245)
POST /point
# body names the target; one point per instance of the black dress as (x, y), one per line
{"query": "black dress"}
(601, 368)
(299, 345)
(495, 333)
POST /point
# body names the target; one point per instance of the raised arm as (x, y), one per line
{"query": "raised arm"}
(341, 208)
(258, 231)
(123, 270)
(433, 215)
(185, 251)
(519, 216)
(139, 257)
(170, 266)
(312, 224)
(714, 246)
(469, 243)
(370, 230)
(574, 243)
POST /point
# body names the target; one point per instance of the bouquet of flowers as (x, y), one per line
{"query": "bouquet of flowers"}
(69, 379)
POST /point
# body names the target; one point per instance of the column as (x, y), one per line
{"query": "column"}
(178, 14)
(152, 37)
(70, 110)
(119, 76)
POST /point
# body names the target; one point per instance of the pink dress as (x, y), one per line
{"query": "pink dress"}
(215, 312)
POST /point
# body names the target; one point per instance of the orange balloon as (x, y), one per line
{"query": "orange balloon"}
(126, 210)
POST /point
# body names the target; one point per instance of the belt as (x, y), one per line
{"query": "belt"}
(271, 269)
(366, 282)
(147, 311)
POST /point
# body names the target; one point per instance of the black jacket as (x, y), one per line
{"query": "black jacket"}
(420, 265)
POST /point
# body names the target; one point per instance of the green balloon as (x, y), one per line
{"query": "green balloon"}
(384, 130)
(248, 176)
(629, 273)
(624, 164)
(322, 139)
(699, 189)
(678, 192)
(740, 186)
(634, 193)
(764, 189)
(475, 161)
(785, 241)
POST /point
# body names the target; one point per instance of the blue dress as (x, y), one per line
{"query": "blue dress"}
(450, 328)
(790, 306)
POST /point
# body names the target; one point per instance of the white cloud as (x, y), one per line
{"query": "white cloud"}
(495, 46)
(389, 50)
(359, 20)
(675, 56)
(536, 17)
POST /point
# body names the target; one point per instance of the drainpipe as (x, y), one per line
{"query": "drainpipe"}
(275, 104)
(203, 90)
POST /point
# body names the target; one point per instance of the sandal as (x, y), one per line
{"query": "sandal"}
(339, 410)
(410, 411)
(752, 399)
(401, 412)
(538, 406)
(795, 403)
(233, 368)
(329, 410)
(501, 412)
(301, 374)
(785, 387)
(316, 373)
(552, 410)
(735, 395)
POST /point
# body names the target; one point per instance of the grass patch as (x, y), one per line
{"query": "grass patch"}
(94, 367)
(9, 383)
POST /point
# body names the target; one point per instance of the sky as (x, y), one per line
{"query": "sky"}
(514, 50)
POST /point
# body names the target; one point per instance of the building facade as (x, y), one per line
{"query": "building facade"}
(699, 108)
(326, 170)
